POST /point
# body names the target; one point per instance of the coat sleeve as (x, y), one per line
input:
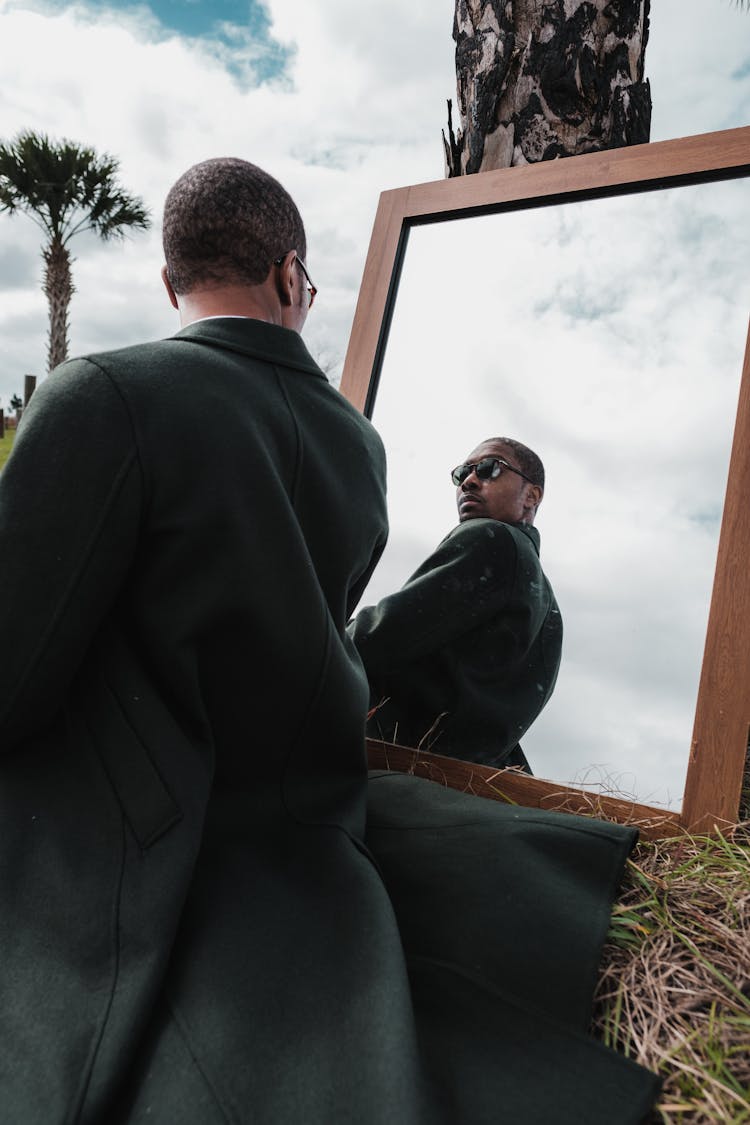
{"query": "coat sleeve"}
(358, 589)
(468, 579)
(70, 500)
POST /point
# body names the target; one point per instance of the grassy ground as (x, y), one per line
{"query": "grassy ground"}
(674, 986)
(5, 446)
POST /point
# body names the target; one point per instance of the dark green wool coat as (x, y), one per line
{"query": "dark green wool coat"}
(196, 924)
(466, 654)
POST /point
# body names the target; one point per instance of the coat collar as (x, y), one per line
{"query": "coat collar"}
(255, 338)
(528, 529)
(531, 532)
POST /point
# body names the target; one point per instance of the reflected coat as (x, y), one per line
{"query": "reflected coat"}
(463, 658)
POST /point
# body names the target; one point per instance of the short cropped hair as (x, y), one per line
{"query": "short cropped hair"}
(528, 462)
(225, 222)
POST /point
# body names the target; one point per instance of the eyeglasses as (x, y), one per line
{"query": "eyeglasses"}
(311, 289)
(489, 468)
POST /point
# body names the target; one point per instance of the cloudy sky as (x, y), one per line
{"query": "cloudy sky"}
(337, 100)
(341, 101)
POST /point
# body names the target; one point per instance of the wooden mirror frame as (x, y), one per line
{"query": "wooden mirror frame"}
(719, 744)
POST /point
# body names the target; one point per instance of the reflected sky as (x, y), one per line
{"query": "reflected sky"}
(609, 337)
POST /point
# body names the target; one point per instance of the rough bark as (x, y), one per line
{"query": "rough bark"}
(539, 79)
(58, 289)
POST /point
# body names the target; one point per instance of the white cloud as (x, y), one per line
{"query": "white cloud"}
(695, 57)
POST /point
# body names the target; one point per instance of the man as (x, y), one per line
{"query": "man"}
(193, 928)
(463, 658)
(180, 707)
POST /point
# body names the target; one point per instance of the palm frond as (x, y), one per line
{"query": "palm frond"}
(67, 188)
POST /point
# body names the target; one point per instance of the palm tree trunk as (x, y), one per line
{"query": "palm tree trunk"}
(58, 289)
(544, 78)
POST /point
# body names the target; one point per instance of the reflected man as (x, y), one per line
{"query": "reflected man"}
(463, 658)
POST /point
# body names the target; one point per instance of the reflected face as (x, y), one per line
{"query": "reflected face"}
(507, 497)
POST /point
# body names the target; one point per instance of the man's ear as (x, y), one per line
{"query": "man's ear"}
(168, 286)
(533, 498)
(285, 278)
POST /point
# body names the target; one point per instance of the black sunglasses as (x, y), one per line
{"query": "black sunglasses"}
(311, 289)
(489, 468)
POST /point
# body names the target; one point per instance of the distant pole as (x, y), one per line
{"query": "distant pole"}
(29, 386)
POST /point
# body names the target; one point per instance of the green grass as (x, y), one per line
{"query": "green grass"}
(5, 446)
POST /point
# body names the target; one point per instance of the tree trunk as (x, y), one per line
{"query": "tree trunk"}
(544, 78)
(58, 289)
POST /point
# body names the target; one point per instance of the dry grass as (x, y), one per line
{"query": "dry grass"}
(674, 983)
(674, 987)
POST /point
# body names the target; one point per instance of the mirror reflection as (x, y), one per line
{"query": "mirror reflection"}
(608, 336)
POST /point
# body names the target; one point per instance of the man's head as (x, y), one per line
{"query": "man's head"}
(229, 227)
(500, 480)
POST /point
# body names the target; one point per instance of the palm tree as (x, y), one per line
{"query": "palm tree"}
(540, 81)
(65, 189)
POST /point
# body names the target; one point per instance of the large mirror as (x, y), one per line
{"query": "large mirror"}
(603, 323)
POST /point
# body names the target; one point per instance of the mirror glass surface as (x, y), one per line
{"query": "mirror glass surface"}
(608, 335)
